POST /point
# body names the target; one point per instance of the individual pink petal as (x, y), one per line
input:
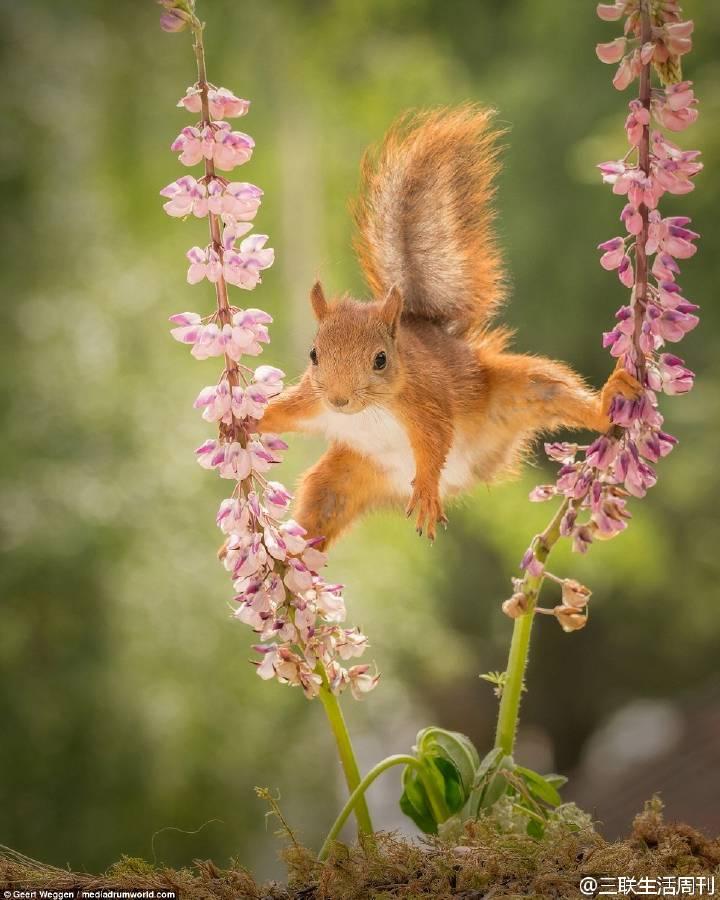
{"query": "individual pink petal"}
(185, 318)
(294, 536)
(241, 200)
(614, 253)
(632, 219)
(189, 144)
(677, 37)
(269, 380)
(206, 452)
(205, 397)
(626, 72)
(214, 266)
(680, 29)
(314, 559)
(679, 247)
(252, 317)
(191, 100)
(198, 264)
(610, 12)
(625, 272)
(224, 104)
(234, 231)
(186, 334)
(237, 462)
(646, 52)
(210, 343)
(611, 52)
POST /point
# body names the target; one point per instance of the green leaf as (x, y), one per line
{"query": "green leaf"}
(557, 781)
(424, 822)
(415, 790)
(535, 829)
(538, 786)
(489, 762)
(483, 775)
(414, 802)
(463, 784)
(496, 787)
(452, 746)
(497, 679)
(435, 774)
(494, 791)
(471, 809)
(455, 796)
(449, 763)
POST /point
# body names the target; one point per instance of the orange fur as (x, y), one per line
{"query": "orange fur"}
(425, 216)
(417, 397)
(325, 505)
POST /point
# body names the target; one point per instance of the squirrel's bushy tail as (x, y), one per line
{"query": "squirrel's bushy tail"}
(425, 216)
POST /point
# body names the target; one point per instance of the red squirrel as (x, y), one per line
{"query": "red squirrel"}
(418, 395)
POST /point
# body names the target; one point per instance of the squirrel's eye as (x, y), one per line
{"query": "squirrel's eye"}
(313, 356)
(380, 361)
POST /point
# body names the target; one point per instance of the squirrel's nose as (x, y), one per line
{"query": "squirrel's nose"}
(339, 401)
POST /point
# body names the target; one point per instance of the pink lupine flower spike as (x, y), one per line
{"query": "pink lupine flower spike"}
(597, 482)
(274, 566)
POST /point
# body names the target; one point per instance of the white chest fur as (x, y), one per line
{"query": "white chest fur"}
(376, 433)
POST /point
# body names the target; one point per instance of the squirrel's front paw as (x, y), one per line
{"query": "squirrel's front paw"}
(620, 383)
(426, 502)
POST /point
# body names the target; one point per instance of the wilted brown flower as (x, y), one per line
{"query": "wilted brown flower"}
(516, 606)
(570, 618)
(575, 594)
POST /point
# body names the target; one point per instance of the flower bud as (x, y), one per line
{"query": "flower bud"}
(174, 20)
(531, 564)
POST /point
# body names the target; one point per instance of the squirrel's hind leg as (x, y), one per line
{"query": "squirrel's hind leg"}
(341, 486)
(541, 395)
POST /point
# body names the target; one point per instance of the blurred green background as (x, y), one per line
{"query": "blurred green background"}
(131, 721)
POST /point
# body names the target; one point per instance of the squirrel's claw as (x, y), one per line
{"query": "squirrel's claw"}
(429, 511)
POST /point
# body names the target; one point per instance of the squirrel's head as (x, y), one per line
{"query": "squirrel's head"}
(354, 361)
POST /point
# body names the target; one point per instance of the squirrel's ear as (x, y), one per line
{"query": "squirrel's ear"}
(318, 301)
(391, 309)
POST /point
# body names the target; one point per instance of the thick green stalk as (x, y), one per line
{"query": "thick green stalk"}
(520, 644)
(400, 759)
(347, 754)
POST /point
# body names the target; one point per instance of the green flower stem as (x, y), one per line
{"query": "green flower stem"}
(347, 755)
(401, 759)
(520, 644)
